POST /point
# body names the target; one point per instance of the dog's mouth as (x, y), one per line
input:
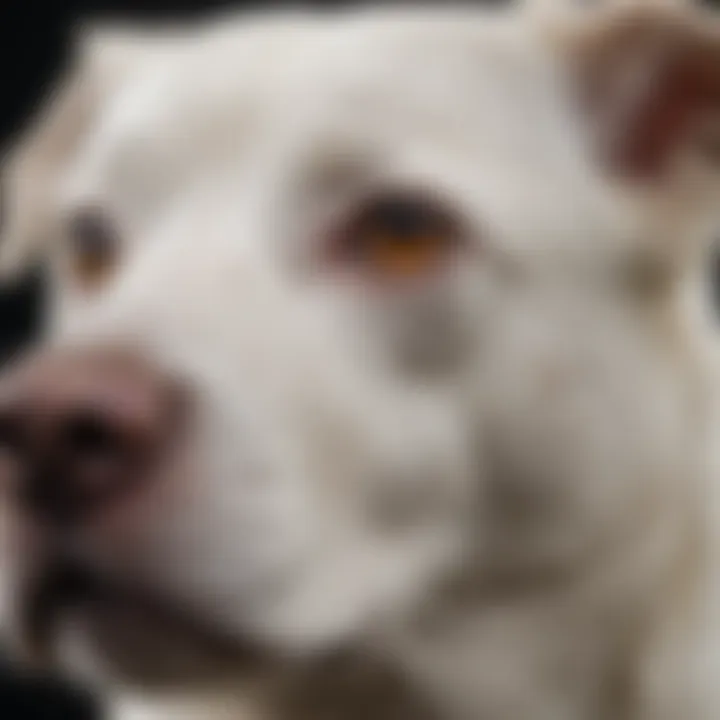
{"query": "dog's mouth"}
(138, 634)
(47, 595)
(147, 641)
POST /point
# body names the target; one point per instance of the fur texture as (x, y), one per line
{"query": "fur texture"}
(488, 495)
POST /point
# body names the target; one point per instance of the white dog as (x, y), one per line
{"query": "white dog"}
(380, 380)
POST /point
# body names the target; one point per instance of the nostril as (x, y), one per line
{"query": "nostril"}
(89, 459)
(90, 435)
(99, 455)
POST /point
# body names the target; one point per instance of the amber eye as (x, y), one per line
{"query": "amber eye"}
(94, 248)
(398, 237)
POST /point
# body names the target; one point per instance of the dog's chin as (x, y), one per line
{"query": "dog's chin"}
(71, 617)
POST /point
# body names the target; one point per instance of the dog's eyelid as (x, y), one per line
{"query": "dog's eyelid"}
(397, 233)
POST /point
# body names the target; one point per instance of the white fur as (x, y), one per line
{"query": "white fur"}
(221, 155)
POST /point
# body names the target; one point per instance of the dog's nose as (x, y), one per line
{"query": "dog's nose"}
(80, 431)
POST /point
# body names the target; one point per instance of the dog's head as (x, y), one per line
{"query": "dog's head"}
(346, 307)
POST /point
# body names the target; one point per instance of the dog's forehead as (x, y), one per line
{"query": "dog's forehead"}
(465, 84)
(471, 106)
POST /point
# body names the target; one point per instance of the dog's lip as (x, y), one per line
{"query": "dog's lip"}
(46, 593)
(62, 586)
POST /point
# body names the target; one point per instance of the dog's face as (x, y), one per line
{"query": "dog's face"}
(419, 325)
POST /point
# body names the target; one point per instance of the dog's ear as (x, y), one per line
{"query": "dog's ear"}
(647, 77)
(30, 174)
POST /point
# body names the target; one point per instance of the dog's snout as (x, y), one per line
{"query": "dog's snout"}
(80, 431)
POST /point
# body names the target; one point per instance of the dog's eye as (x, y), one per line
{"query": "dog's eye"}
(94, 247)
(397, 237)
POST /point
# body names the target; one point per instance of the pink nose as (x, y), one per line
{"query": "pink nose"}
(81, 430)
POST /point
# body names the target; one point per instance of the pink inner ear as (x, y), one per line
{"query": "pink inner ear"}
(665, 118)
